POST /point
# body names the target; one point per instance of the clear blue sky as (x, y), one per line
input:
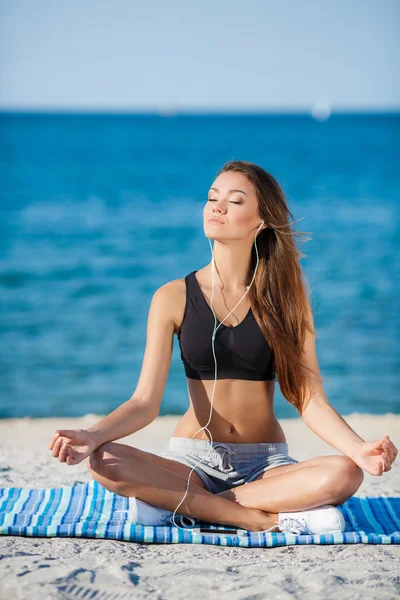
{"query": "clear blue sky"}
(210, 54)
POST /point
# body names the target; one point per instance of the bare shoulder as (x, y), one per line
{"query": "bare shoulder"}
(172, 300)
(162, 320)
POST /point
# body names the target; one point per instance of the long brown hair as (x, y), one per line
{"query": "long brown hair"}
(280, 295)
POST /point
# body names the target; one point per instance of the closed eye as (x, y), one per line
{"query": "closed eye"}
(232, 202)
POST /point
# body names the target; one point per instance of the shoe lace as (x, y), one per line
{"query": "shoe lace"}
(292, 525)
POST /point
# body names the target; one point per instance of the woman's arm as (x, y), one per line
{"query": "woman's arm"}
(374, 457)
(129, 417)
(318, 413)
(144, 405)
(320, 416)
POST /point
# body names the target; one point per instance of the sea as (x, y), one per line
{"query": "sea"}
(99, 210)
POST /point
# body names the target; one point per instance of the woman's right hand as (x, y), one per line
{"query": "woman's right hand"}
(72, 445)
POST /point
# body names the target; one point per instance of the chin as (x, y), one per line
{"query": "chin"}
(209, 230)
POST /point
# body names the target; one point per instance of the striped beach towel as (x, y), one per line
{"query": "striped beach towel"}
(89, 510)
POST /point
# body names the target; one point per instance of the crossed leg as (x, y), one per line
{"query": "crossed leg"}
(128, 471)
(300, 486)
(162, 482)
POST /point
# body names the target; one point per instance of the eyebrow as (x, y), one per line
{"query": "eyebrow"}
(230, 191)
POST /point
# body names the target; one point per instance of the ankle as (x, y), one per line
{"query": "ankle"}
(261, 520)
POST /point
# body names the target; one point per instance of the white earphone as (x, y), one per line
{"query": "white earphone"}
(215, 359)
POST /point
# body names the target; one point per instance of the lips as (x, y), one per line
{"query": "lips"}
(214, 220)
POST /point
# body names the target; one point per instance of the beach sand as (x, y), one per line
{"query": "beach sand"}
(49, 568)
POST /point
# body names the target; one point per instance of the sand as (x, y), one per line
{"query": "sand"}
(49, 568)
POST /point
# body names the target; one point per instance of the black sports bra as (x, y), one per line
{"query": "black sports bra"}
(242, 352)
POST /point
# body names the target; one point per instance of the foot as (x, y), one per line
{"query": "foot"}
(142, 513)
(319, 520)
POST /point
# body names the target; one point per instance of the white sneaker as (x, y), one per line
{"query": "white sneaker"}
(319, 520)
(142, 513)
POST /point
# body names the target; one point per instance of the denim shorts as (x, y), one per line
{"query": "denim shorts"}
(226, 465)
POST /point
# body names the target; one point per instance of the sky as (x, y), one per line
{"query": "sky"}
(204, 56)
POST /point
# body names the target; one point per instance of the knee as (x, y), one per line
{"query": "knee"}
(345, 477)
(97, 461)
(104, 468)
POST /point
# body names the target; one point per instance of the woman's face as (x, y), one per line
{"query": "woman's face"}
(232, 201)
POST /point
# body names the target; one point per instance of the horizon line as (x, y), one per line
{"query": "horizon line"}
(313, 112)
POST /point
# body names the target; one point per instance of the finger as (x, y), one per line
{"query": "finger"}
(379, 443)
(53, 439)
(68, 433)
(383, 461)
(57, 445)
(63, 452)
(70, 458)
(385, 439)
(386, 459)
(389, 451)
(392, 451)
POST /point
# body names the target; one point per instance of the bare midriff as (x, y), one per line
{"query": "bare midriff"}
(242, 412)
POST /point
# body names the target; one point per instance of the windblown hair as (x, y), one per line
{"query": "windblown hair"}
(279, 296)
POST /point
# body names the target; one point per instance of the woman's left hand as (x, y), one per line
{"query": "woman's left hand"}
(375, 457)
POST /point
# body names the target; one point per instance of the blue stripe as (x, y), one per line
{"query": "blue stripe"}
(86, 529)
(5, 506)
(36, 506)
(372, 522)
(13, 499)
(56, 495)
(120, 532)
(15, 518)
(102, 493)
(81, 507)
(380, 515)
(68, 492)
(389, 516)
(349, 515)
(46, 508)
(110, 524)
(67, 515)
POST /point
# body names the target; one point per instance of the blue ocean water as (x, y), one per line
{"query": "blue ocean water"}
(98, 211)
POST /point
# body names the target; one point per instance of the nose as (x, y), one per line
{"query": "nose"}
(218, 206)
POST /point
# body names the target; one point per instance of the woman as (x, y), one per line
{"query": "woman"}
(241, 473)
